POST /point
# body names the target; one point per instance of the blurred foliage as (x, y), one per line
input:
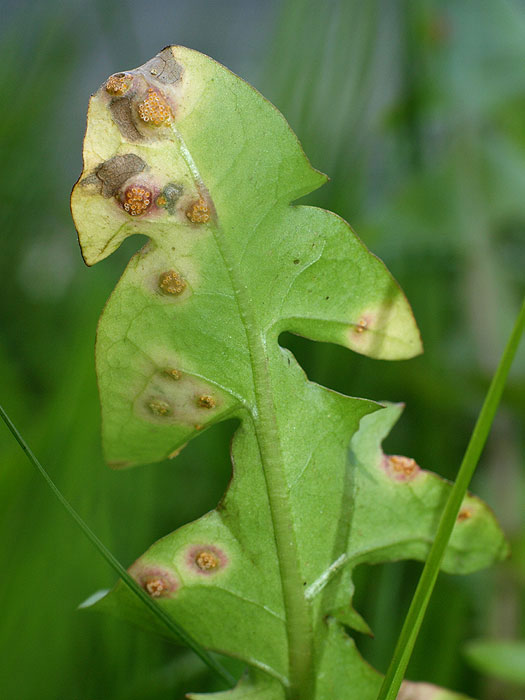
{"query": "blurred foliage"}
(416, 110)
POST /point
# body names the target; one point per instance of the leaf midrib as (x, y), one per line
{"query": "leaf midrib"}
(297, 611)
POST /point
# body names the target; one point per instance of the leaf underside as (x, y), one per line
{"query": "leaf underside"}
(189, 155)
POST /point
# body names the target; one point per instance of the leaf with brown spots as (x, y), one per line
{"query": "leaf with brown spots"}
(189, 155)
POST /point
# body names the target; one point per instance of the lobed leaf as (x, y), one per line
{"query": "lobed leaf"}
(184, 152)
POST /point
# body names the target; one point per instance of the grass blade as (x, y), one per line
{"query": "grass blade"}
(173, 626)
(407, 638)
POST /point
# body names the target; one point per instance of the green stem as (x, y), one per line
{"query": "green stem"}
(130, 582)
(416, 612)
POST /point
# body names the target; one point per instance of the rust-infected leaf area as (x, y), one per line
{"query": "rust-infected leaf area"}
(113, 173)
(401, 468)
(137, 200)
(206, 401)
(173, 396)
(154, 109)
(464, 514)
(169, 197)
(157, 582)
(159, 407)
(199, 212)
(206, 560)
(171, 283)
(119, 83)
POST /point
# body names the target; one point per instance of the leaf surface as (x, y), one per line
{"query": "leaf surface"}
(184, 152)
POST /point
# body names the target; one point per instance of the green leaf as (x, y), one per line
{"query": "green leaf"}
(503, 659)
(190, 337)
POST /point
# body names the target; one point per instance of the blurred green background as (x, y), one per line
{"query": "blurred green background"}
(416, 110)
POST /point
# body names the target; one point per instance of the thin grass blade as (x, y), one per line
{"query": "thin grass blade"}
(407, 638)
(173, 626)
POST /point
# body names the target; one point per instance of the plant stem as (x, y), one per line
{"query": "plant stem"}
(407, 638)
(130, 582)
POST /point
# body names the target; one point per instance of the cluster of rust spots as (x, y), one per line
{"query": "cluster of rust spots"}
(401, 468)
(119, 83)
(154, 109)
(171, 283)
(361, 326)
(157, 583)
(174, 374)
(137, 200)
(199, 212)
(207, 559)
(159, 407)
(464, 514)
(206, 401)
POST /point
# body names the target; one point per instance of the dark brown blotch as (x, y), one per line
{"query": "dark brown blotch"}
(164, 67)
(122, 114)
(114, 172)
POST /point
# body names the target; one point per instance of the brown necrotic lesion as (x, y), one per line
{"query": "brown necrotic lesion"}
(113, 173)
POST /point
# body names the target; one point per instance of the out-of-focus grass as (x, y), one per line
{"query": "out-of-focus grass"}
(415, 108)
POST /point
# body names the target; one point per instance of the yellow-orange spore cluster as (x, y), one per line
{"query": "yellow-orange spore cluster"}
(119, 83)
(206, 401)
(137, 200)
(206, 560)
(159, 407)
(154, 109)
(171, 282)
(199, 212)
(405, 466)
(155, 587)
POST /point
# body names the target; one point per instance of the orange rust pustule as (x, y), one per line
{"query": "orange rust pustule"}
(206, 401)
(361, 326)
(159, 407)
(171, 283)
(154, 109)
(401, 468)
(199, 212)
(206, 560)
(119, 83)
(157, 582)
(137, 200)
(174, 374)
(464, 514)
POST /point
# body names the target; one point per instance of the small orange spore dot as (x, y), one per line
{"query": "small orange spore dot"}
(173, 374)
(154, 109)
(119, 83)
(206, 560)
(155, 587)
(199, 212)
(137, 200)
(206, 401)
(464, 514)
(159, 407)
(171, 282)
